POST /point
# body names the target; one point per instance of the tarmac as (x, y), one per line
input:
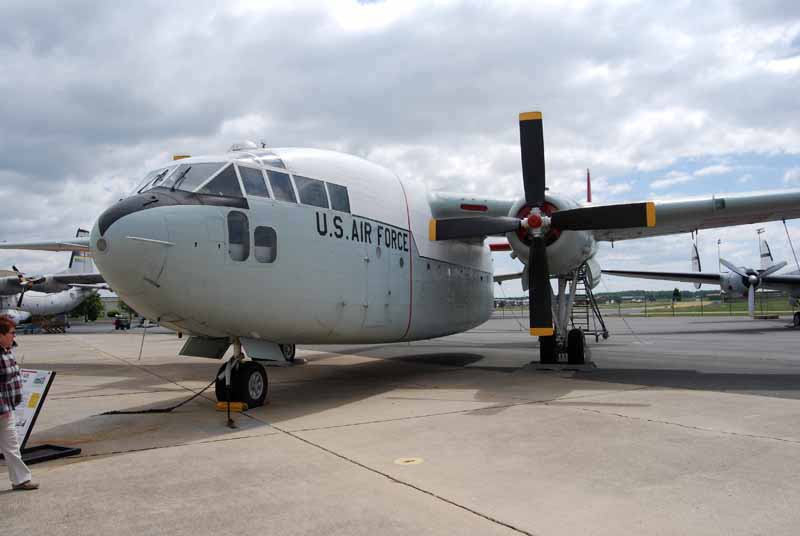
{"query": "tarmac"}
(685, 426)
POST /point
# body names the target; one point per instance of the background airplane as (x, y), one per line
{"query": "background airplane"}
(267, 248)
(80, 271)
(741, 280)
(43, 304)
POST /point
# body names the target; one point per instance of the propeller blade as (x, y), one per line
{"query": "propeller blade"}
(19, 301)
(450, 228)
(772, 269)
(751, 300)
(732, 268)
(539, 305)
(606, 217)
(531, 144)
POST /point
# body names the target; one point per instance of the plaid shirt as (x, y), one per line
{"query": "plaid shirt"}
(10, 382)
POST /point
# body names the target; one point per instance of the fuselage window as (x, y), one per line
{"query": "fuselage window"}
(253, 181)
(225, 184)
(311, 191)
(281, 186)
(190, 176)
(339, 198)
(238, 236)
(265, 244)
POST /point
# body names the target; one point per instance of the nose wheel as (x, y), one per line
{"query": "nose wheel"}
(249, 383)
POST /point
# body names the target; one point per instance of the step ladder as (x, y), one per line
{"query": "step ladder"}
(585, 314)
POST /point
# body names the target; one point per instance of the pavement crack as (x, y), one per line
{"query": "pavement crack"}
(401, 482)
(687, 426)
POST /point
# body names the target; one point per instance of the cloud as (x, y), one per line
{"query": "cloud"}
(792, 176)
(716, 169)
(672, 178)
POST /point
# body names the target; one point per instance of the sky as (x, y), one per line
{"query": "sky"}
(659, 101)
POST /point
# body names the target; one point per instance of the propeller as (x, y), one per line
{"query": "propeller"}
(536, 224)
(26, 283)
(752, 279)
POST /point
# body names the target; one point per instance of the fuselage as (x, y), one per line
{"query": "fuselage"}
(44, 304)
(337, 253)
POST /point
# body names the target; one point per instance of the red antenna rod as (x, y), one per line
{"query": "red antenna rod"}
(588, 187)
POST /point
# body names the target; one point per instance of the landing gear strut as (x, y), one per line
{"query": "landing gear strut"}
(571, 309)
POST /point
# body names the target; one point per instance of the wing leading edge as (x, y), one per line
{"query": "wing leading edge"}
(683, 216)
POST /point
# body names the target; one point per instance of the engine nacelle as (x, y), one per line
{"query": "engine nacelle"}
(9, 285)
(593, 272)
(732, 284)
(50, 285)
(566, 250)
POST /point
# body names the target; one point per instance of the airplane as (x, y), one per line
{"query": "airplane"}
(80, 271)
(265, 248)
(43, 304)
(741, 280)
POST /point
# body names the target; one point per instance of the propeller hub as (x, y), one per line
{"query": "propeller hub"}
(752, 279)
(534, 221)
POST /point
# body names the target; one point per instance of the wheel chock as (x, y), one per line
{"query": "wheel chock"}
(238, 407)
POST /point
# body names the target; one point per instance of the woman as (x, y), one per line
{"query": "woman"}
(10, 397)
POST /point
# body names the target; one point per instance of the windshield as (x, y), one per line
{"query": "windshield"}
(152, 179)
(190, 176)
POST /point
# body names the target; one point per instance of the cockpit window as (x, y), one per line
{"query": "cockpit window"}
(225, 184)
(281, 186)
(190, 176)
(253, 181)
(339, 198)
(311, 191)
(152, 179)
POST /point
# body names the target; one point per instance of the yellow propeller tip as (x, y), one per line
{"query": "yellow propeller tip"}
(530, 116)
(542, 332)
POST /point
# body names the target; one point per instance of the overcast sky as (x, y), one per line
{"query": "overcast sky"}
(660, 101)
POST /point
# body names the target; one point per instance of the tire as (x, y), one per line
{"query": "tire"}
(547, 350)
(251, 383)
(797, 320)
(289, 351)
(576, 347)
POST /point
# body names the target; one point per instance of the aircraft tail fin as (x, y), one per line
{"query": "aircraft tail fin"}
(766, 254)
(81, 262)
(696, 263)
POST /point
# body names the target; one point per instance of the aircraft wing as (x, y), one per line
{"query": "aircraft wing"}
(79, 279)
(507, 277)
(688, 277)
(70, 244)
(784, 282)
(683, 216)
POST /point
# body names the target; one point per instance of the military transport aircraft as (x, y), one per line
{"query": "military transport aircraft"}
(268, 248)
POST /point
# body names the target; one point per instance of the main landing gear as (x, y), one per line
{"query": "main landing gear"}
(797, 319)
(242, 381)
(574, 346)
(575, 315)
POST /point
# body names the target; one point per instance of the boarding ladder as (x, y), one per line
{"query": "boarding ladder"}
(585, 314)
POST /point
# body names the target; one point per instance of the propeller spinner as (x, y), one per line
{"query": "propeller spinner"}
(537, 223)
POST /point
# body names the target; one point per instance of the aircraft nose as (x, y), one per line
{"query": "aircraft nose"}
(131, 251)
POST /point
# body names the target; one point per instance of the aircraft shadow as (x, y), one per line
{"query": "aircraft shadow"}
(773, 385)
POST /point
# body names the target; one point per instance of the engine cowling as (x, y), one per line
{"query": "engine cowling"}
(566, 250)
(733, 284)
(50, 285)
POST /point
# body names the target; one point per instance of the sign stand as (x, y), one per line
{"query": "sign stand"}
(35, 386)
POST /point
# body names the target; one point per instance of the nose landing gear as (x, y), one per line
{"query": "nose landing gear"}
(242, 381)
